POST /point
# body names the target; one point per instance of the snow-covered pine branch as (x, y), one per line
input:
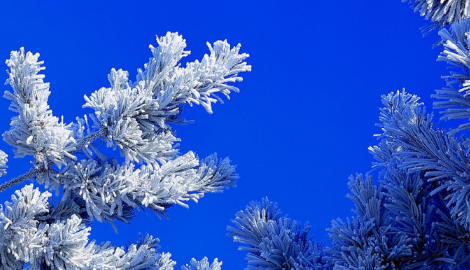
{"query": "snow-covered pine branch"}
(35, 131)
(33, 234)
(136, 115)
(454, 100)
(442, 12)
(274, 242)
(108, 191)
(417, 214)
(366, 241)
(136, 118)
(423, 148)
(202, 265)
(3, 162)
(424, 181)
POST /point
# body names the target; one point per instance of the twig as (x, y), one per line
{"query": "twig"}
(20, 178)
(89, 139)
(32, 172)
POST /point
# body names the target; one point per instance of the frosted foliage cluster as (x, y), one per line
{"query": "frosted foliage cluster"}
(35, 131)
(135, 115)
(274, 242)
(442, 12)
(31, 234)
(3, 162)
(107, 191)
(454, 99)
(202, 265)
(146, 172)
(416, 215)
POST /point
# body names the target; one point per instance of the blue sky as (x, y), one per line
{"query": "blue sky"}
(300, 126)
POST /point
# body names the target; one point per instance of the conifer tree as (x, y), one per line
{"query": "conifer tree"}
(137, 120)
(416, 215)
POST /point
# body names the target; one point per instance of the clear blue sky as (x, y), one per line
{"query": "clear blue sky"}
(300, 126)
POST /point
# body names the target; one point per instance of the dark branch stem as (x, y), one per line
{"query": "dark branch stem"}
(89, 139)
(34, 171)
(20, 178)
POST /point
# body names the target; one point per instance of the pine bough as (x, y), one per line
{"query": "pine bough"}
(417, 215)
(137, 119)
(442, 12)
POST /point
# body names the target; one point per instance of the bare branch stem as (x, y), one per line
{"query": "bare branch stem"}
(20, 178)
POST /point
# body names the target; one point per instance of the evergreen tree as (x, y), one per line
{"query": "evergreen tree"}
(136, 118)
(417, 214)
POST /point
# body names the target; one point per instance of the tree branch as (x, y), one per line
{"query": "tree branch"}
(33, 171)
(21, 178)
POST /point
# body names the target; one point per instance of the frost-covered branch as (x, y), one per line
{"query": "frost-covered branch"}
(135, 117)
(35, 131)
(3, 163)
(454, 100)
(110, 191)
(274, 242)
(58, 243)
(366, 241)
(442, 12)
(39, 170)
(202, 265)
(423, 148)
(417, 213)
